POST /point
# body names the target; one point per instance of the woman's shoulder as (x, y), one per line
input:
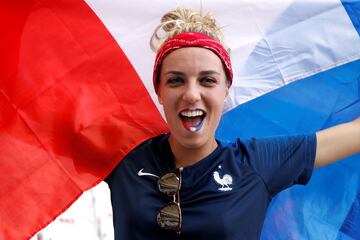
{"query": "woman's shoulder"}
(248, 149)
(269, 140)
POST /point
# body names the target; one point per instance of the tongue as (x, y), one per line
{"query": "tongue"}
(191, 123)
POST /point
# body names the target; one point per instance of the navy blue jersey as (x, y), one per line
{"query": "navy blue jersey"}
(223, 196)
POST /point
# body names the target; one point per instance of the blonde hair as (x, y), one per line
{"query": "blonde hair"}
(185, 20)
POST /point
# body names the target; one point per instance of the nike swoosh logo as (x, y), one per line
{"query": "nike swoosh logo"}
(141, 173)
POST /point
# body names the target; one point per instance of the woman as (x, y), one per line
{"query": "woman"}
(188, 185)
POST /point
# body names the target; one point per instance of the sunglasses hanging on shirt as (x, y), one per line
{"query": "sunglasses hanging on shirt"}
(169, 216)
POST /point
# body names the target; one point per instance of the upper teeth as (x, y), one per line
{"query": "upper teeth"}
(195, 113)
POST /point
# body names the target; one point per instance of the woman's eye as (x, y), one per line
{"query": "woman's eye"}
(208, 80)
(175, 81)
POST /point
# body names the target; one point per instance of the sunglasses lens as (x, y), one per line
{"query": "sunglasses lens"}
(169, 217)
(169, 183)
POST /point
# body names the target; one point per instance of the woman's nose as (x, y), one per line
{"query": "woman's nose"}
(192, 93)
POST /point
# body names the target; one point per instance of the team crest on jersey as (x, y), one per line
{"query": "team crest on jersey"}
(225, 181)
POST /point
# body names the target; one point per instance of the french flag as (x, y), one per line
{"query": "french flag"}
(76, 96)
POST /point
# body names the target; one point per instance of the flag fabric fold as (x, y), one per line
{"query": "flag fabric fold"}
(71, 107)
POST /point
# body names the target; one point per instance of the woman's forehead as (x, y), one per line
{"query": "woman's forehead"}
(192, 57)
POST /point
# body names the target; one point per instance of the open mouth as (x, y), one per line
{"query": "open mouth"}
(192, 120)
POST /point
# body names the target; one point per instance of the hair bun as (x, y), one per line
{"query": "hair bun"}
(184, 20)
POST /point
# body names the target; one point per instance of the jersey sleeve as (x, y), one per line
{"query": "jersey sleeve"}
(281, 161)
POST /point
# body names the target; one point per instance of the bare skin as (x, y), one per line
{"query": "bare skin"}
(337, 143)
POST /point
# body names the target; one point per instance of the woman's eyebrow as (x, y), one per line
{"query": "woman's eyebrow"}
(173, 72)
(210, 72)
(205, 72)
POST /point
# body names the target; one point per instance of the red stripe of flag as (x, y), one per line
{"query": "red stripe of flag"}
(71, 107)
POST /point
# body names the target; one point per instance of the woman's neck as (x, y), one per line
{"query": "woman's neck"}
(187, 156)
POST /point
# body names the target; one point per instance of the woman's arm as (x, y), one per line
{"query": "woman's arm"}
(337, 142)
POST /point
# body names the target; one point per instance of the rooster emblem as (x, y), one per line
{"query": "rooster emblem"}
(225, 181)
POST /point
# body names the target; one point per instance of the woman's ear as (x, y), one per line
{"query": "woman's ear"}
(159, 98)
(226, 94)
